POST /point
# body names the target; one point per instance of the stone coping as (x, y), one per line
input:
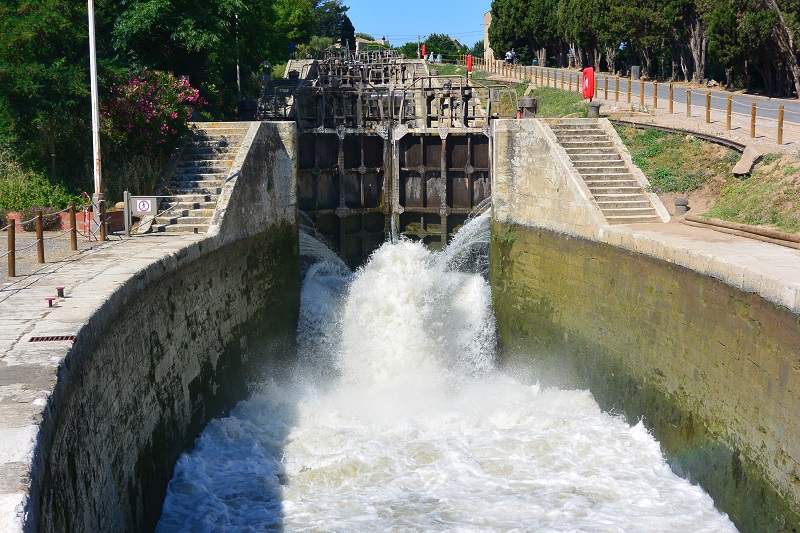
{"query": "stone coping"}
(769, 270)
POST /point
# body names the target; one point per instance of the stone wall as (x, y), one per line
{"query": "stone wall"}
(170, 348)
(712, 369)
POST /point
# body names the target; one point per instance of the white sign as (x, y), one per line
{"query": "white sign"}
(144, 206)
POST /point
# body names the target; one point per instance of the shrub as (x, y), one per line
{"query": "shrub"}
(21, 188)
(149, 112)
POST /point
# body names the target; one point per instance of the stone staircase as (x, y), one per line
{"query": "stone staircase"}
(197, 182)
(617, 192)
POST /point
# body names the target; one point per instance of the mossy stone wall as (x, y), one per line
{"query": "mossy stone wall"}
(178, 354)
(713, 371)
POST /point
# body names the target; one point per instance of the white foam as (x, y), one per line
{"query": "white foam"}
(410, 428)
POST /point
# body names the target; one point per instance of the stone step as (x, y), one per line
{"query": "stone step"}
(198, 190)
(196, 184)
(182, 220)
(637, 211)
(642, 203)
(604, 167)
(179, 228)
(211, 150)
(596, 158)
(206, 155)
(610, 176)
(622, 189)
(178, 199)
(590, 150)
(189, 206)
(632, 219)
(620, 197)
(599, 184)
(205, 164)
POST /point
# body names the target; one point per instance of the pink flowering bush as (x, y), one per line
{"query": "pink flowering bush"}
(149, 112)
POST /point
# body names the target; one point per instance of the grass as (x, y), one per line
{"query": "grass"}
(769, 197)
(675, 162)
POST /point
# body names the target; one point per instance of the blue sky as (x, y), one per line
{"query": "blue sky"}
(402, 21)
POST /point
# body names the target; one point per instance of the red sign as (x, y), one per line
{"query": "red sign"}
(469, 63)
(588, 83)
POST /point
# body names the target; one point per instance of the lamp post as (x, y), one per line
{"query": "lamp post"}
(98, 197)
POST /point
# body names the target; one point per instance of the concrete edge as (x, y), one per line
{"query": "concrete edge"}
(230, 181)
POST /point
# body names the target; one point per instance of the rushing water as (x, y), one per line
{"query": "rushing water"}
(397, 420)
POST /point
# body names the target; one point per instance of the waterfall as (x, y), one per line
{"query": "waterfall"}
(398, 419)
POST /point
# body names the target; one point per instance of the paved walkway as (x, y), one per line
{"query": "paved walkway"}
(28, 370)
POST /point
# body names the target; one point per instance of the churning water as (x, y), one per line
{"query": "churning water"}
(398, 420)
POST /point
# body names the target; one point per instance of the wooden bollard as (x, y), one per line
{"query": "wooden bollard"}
(753, 120)
(671, 96)
(39, 237)
(655, 95)
(688, 102)
(780, 124)
(103, 236)
(596, 88)
(73, 227)
(708, 107)
(605, 87)
(630, 80)
(569, 88)
(548, 78)
(641, 92)
(728, 115)
(616, 89)
(562, 80)
(12, 251)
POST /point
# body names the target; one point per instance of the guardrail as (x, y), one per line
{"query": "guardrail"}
(775, 120)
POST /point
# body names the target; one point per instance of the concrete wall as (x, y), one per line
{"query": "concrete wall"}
(170, 348)
(533, 180)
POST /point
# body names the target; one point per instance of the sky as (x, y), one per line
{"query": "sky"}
(402, 21)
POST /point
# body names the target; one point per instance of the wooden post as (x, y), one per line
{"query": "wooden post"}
(708, 107)
(671, 96)
(616, 89)
(569, 84)
(562, 80)
(780, 124)
(655, 95)
(73, 227)
(753, 120)
(103, 221)
(12, 250)
(605, 88)
(39, 237)
(629, 89)
(596, 88)
(641, 92)
(688, 102)
(548, 78)
(728, 117)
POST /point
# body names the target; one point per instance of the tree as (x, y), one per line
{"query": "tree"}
(365, 36)
(348, 34)
(329, 16)
(477, 49)
(408, 50)
(440, 43)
